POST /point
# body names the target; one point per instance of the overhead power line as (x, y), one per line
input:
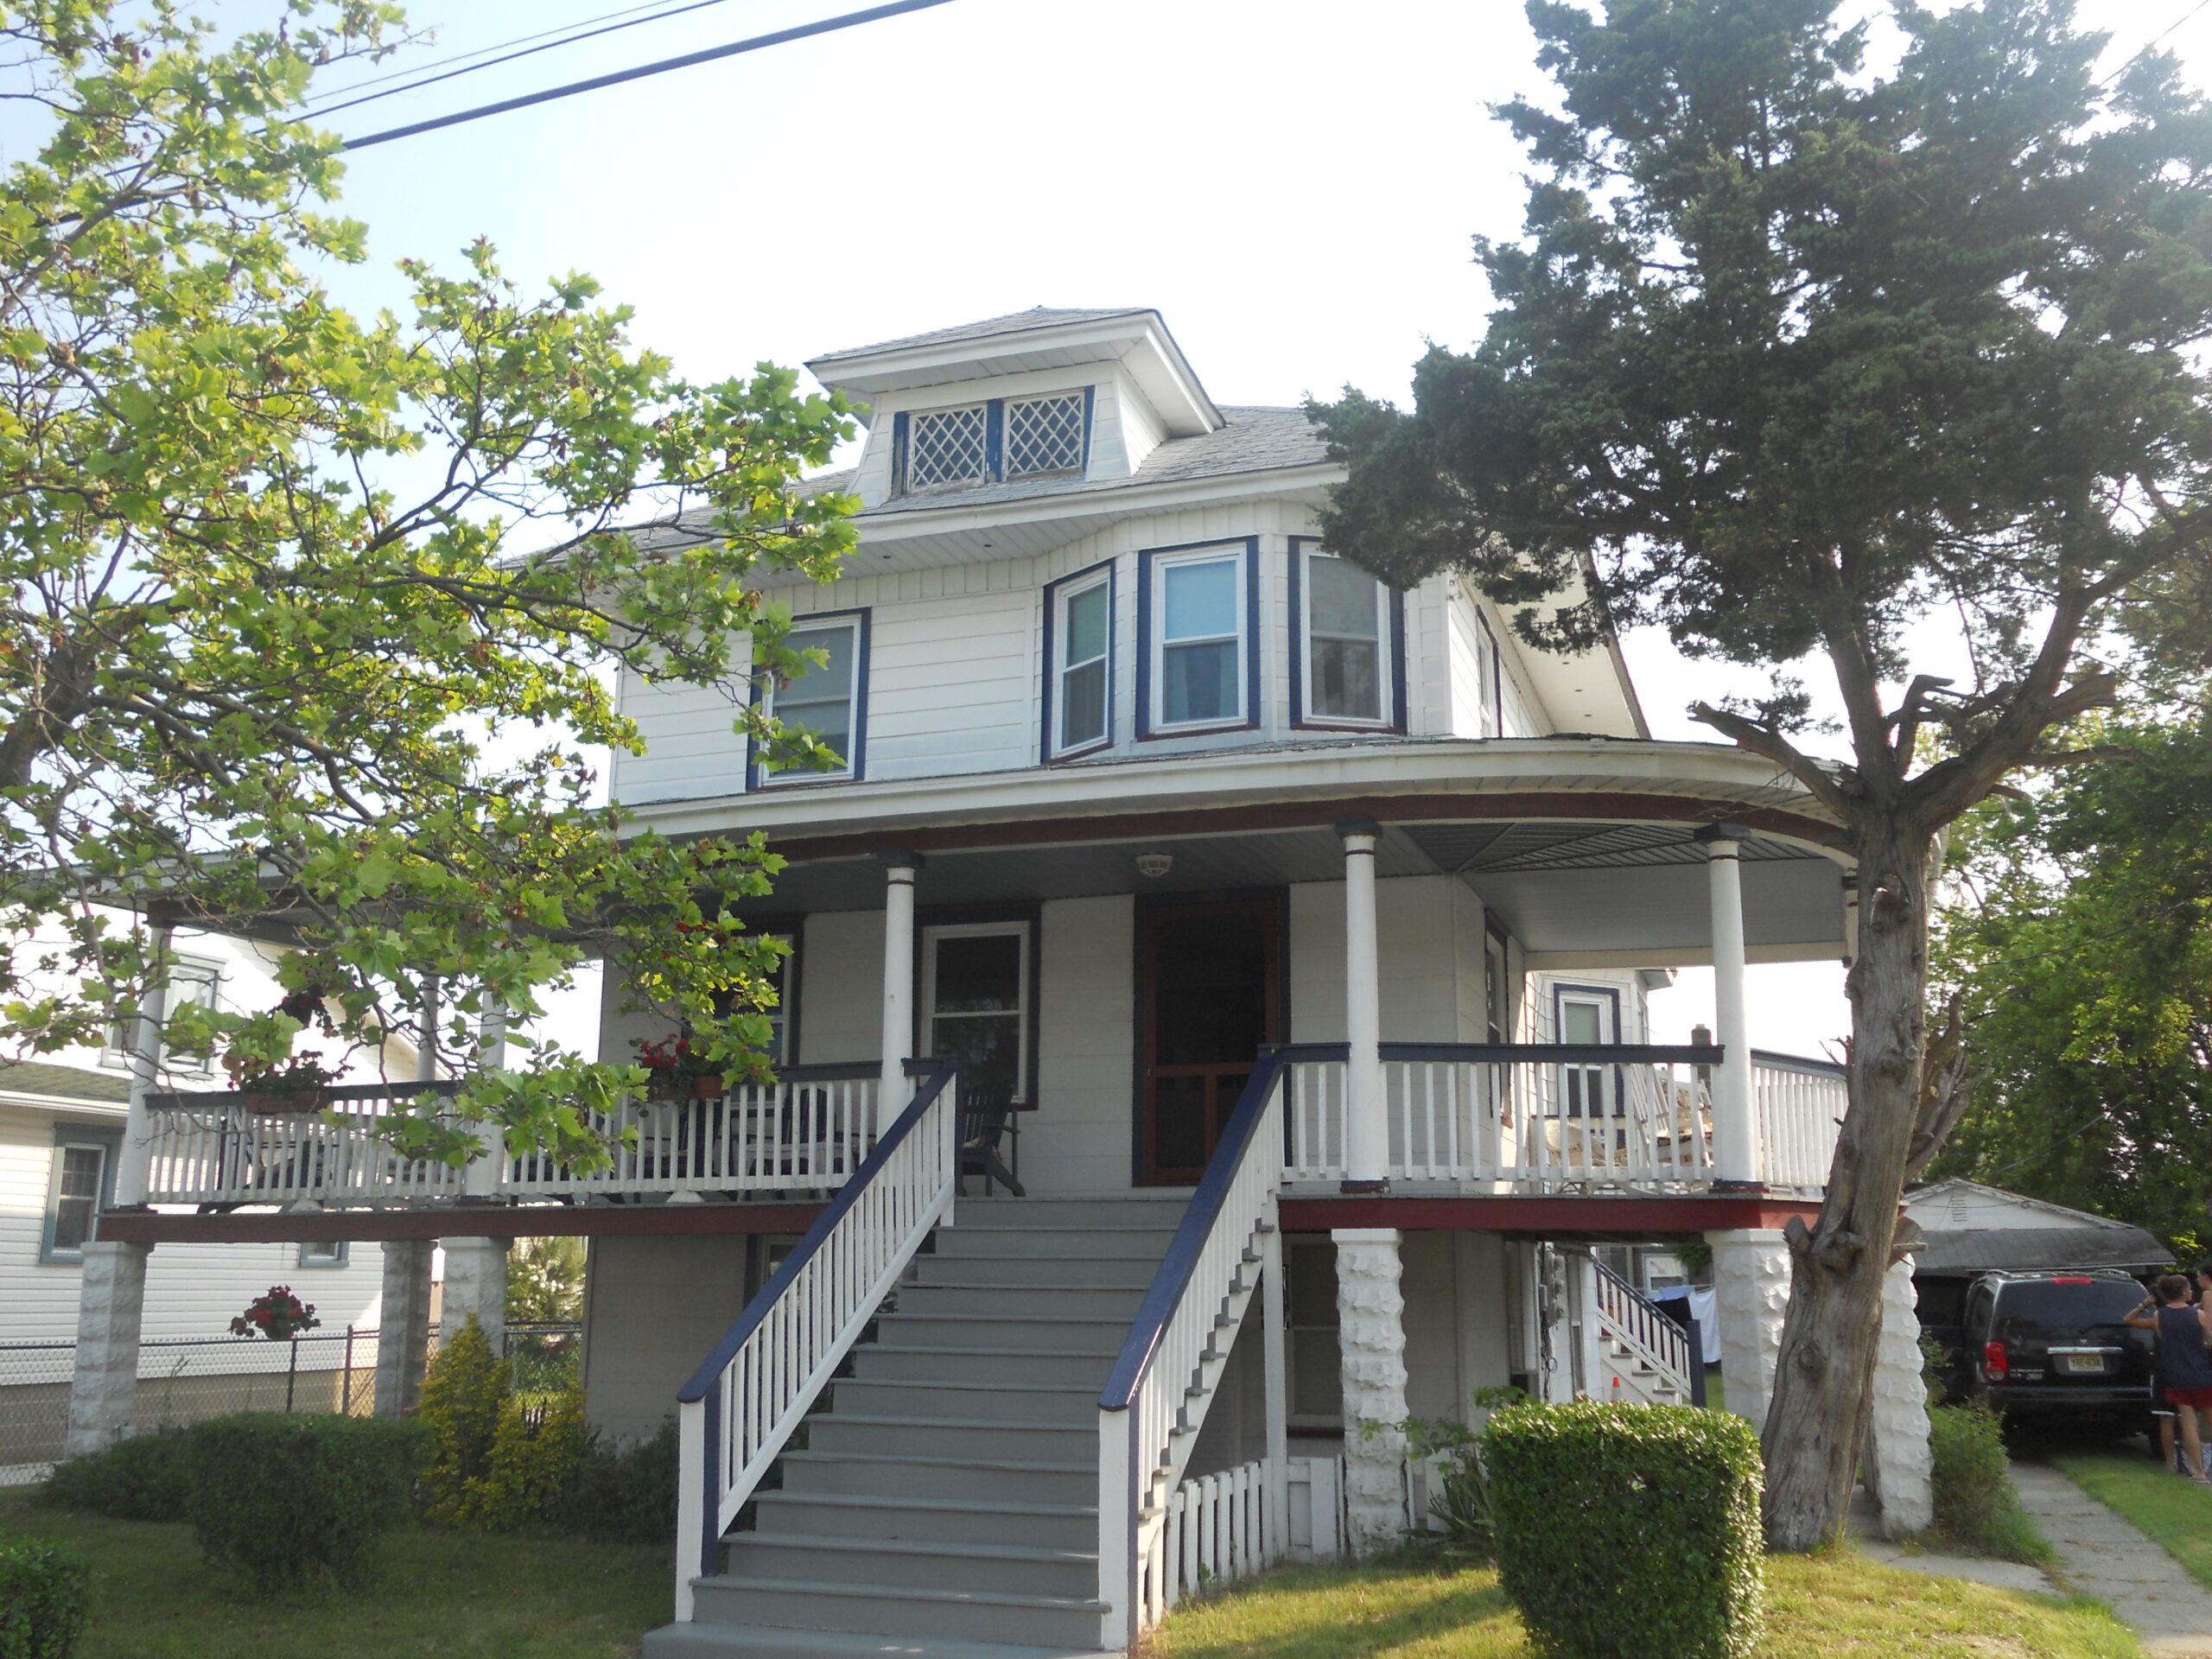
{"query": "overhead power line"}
(2144, 50)
(523, 46)
(827, 25)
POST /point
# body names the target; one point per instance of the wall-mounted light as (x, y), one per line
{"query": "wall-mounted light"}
(1153, 866)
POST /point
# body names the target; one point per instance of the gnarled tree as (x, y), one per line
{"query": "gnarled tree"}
(1798, 351)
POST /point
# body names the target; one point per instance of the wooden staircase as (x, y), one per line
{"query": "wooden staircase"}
(945, 1500)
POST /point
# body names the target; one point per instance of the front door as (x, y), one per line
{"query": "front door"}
(1210, 995)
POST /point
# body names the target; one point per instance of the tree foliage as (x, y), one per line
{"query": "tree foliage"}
(310, 617)
(1800, 353)
(2081, 943)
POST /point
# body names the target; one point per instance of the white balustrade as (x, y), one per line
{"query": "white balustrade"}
(1156, 1400)
(1800, 1105)
(742, 1404)
(234, 1149)
(1224, 1527)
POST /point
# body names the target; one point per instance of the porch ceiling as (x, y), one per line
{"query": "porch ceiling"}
(1572, 892)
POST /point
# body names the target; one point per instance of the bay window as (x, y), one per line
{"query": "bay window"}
(1199, 611)
(1079, 621)
(1347, 641)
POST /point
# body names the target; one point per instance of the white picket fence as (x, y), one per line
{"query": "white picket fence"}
(1224, 1527)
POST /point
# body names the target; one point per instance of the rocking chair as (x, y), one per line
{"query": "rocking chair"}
(985, 1117)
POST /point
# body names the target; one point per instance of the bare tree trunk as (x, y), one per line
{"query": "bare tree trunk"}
(1815, 1423)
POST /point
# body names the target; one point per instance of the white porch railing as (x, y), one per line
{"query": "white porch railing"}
(1549, 1114)
(740, 1408)
(1156, 1400)
(1800, 1105)
(806, 1131)
(1225, 1527)
(235, 1149)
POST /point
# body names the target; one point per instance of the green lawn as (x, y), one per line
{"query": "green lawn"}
(452, 1596)
(2174, 1512)
(1830, 1606)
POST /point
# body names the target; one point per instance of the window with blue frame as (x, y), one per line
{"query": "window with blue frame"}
(996, 441)
(1201, 635)
(1079, 622)
(828, 700)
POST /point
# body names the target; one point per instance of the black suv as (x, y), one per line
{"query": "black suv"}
(2052, 1344)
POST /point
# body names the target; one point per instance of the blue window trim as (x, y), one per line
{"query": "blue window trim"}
(1300, 720)
(856, 762)
(1090, 403)
(994, 440)
(898, 452)
(108, 1137)
(1248, 548)
(1047, 752)
(341, 1260)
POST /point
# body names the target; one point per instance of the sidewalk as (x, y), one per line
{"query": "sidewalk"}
(2102, 1555)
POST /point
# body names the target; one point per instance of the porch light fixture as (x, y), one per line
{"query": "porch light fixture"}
(1153, 866)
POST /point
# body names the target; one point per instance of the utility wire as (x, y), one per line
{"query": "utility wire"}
(2144, 50)
(608, 23)
(827, 25)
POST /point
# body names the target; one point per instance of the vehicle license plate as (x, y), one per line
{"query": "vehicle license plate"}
(2078, 1364)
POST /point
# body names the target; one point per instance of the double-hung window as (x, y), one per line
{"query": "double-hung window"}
(828, 699)
(1346, 629)
(1199, 613)
(976, 1002)
(1079, 614)
(76, 1186)
(190, 982)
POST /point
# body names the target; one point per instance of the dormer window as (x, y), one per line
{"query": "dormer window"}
(948, 447)
(1044, 435)
(994, 442)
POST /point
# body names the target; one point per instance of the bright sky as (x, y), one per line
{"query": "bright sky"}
(1291, 183)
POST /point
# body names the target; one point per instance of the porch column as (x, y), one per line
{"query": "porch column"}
(1899, 1466)
(1735, 1127)
(1371, 1330)
(1367, 1130)
(403, 1325)
(112, 1286)
(1751, 1274)
(899, 870)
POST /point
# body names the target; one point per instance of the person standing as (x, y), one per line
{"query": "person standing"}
(2184, 1363)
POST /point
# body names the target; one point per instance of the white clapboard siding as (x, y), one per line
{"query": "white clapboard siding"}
(691, 749)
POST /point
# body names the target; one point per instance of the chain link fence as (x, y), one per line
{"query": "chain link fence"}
(183, 1380)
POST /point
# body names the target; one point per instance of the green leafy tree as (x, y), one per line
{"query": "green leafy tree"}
(545, 1280)
(1797, 353)
(2080, 943)
(310, 617)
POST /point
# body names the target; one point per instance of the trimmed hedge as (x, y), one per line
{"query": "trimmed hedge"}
(45, 1599)
(278, 1498)
(627, 1494)
(1628, 1532)
(1977, 1506)
(147, 1478)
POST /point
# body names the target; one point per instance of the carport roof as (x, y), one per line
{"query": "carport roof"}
(2039, 1249)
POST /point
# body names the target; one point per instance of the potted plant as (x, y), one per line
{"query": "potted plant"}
(296, 1084)
(278, 1315)
(674, 1072)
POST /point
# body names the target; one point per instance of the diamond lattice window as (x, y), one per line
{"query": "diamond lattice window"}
(1044, 435)
(951, 446)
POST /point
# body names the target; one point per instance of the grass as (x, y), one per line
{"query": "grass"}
(1833, 1605)
(439, 1594)
(2174, 1512)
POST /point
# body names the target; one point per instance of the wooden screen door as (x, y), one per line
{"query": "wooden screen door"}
(1209, 996)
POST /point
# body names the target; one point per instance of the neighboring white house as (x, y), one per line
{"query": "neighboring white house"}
(1299, 931)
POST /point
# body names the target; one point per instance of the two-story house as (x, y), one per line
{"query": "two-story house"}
(1283, 935)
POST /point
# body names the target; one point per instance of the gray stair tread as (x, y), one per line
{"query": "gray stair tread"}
(902, 1592)
(980, 1353)
(1004, 1315)
(1027, 1465)
(926, 1383)
(950, 1505)
(1027, 1287)
(829, 1546)
(1018, 1425)
(722, 1639)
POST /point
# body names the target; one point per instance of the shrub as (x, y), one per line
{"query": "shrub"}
(1464, 1504)
(147, 1478)
(627, 1494)
(1628, 1532)
(464, 1392)
(45, 1598)
(531, 1470)
(1976, 1507)
(278, 1497)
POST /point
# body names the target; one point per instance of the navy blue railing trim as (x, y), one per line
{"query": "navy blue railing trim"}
(710, 1369)
(1510, 1053)
(1183, 1251)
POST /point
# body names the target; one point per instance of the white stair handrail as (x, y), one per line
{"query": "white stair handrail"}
(1650, 1335)
(1156, 1400)
(742, 1404)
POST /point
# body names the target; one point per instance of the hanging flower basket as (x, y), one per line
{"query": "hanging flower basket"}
(707, 1087)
